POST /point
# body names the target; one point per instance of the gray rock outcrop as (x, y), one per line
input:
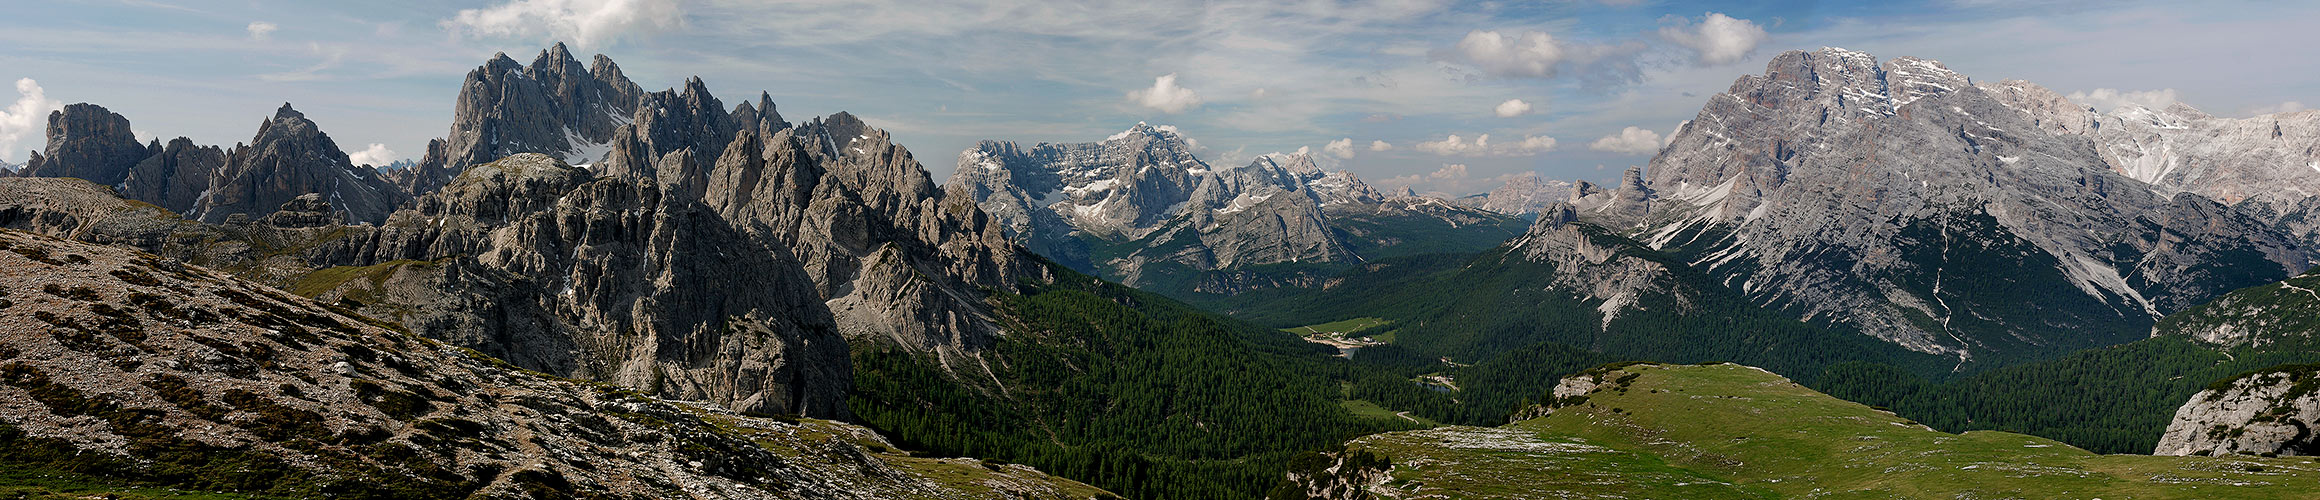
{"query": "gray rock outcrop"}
(196, 368)
(2270, 412)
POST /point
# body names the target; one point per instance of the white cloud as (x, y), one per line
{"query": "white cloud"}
(1341, 148)
(376, 155)
(1538, 54)
(1631, 140)
(27, 118)
(584, 23)
(1512, 108)
(2285, 107)
(262, 31)
(1380, 146)
(1166, 96)
(2105, 100)
(1533, 54)
(1717, 38)
(1481, 146)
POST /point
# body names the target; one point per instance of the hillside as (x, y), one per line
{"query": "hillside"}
(2116, 399)
(1731, 431)
(156, 378)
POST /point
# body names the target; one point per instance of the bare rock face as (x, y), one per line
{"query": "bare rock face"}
(89, 142)
(292, 157)
(1594, 269)
(1524, 195)
(175, 176)
(553, 106)
(2265, 162)
(2269, 412)
(126, 365)
(1892, 199)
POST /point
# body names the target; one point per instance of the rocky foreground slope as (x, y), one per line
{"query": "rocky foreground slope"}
(1730, 431)
(119, 367)
(747, 297)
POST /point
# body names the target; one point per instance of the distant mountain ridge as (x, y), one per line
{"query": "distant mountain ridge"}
(1141, 207)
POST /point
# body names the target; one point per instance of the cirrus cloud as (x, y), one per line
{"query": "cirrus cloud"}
(262, 31)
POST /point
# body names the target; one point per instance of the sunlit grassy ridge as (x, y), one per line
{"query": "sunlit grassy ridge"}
(1730, 431)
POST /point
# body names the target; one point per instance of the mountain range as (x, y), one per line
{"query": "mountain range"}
(586, 288)
(1140, 207)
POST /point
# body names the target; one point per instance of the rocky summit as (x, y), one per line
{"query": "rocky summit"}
(89, 142)
(291, 157)
(1893, 198)
(553, 106)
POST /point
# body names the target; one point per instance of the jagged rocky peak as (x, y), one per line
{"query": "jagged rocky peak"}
(89, 142)
(290, 157)
(553, 106)
(760, 116)
(175, 176)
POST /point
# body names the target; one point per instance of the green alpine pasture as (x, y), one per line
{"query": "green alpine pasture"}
(1731, 431)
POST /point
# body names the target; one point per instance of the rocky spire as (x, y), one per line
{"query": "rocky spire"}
(89, 142)
(289, 157)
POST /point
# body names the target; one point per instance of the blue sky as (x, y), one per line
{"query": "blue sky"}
(1240, 78)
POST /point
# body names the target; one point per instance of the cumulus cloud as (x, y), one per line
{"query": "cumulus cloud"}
(1716, 38)
(1341, 148)
(26, 120)
(1512, 108)
(1631, 140)
(1380, 146)
(584, 23)
(1533, 54)
(1455, 145)
(1166, 96)
(376, 155)
(2285, 107)
(2108, 99)
(1538, 54)
(262, 31)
